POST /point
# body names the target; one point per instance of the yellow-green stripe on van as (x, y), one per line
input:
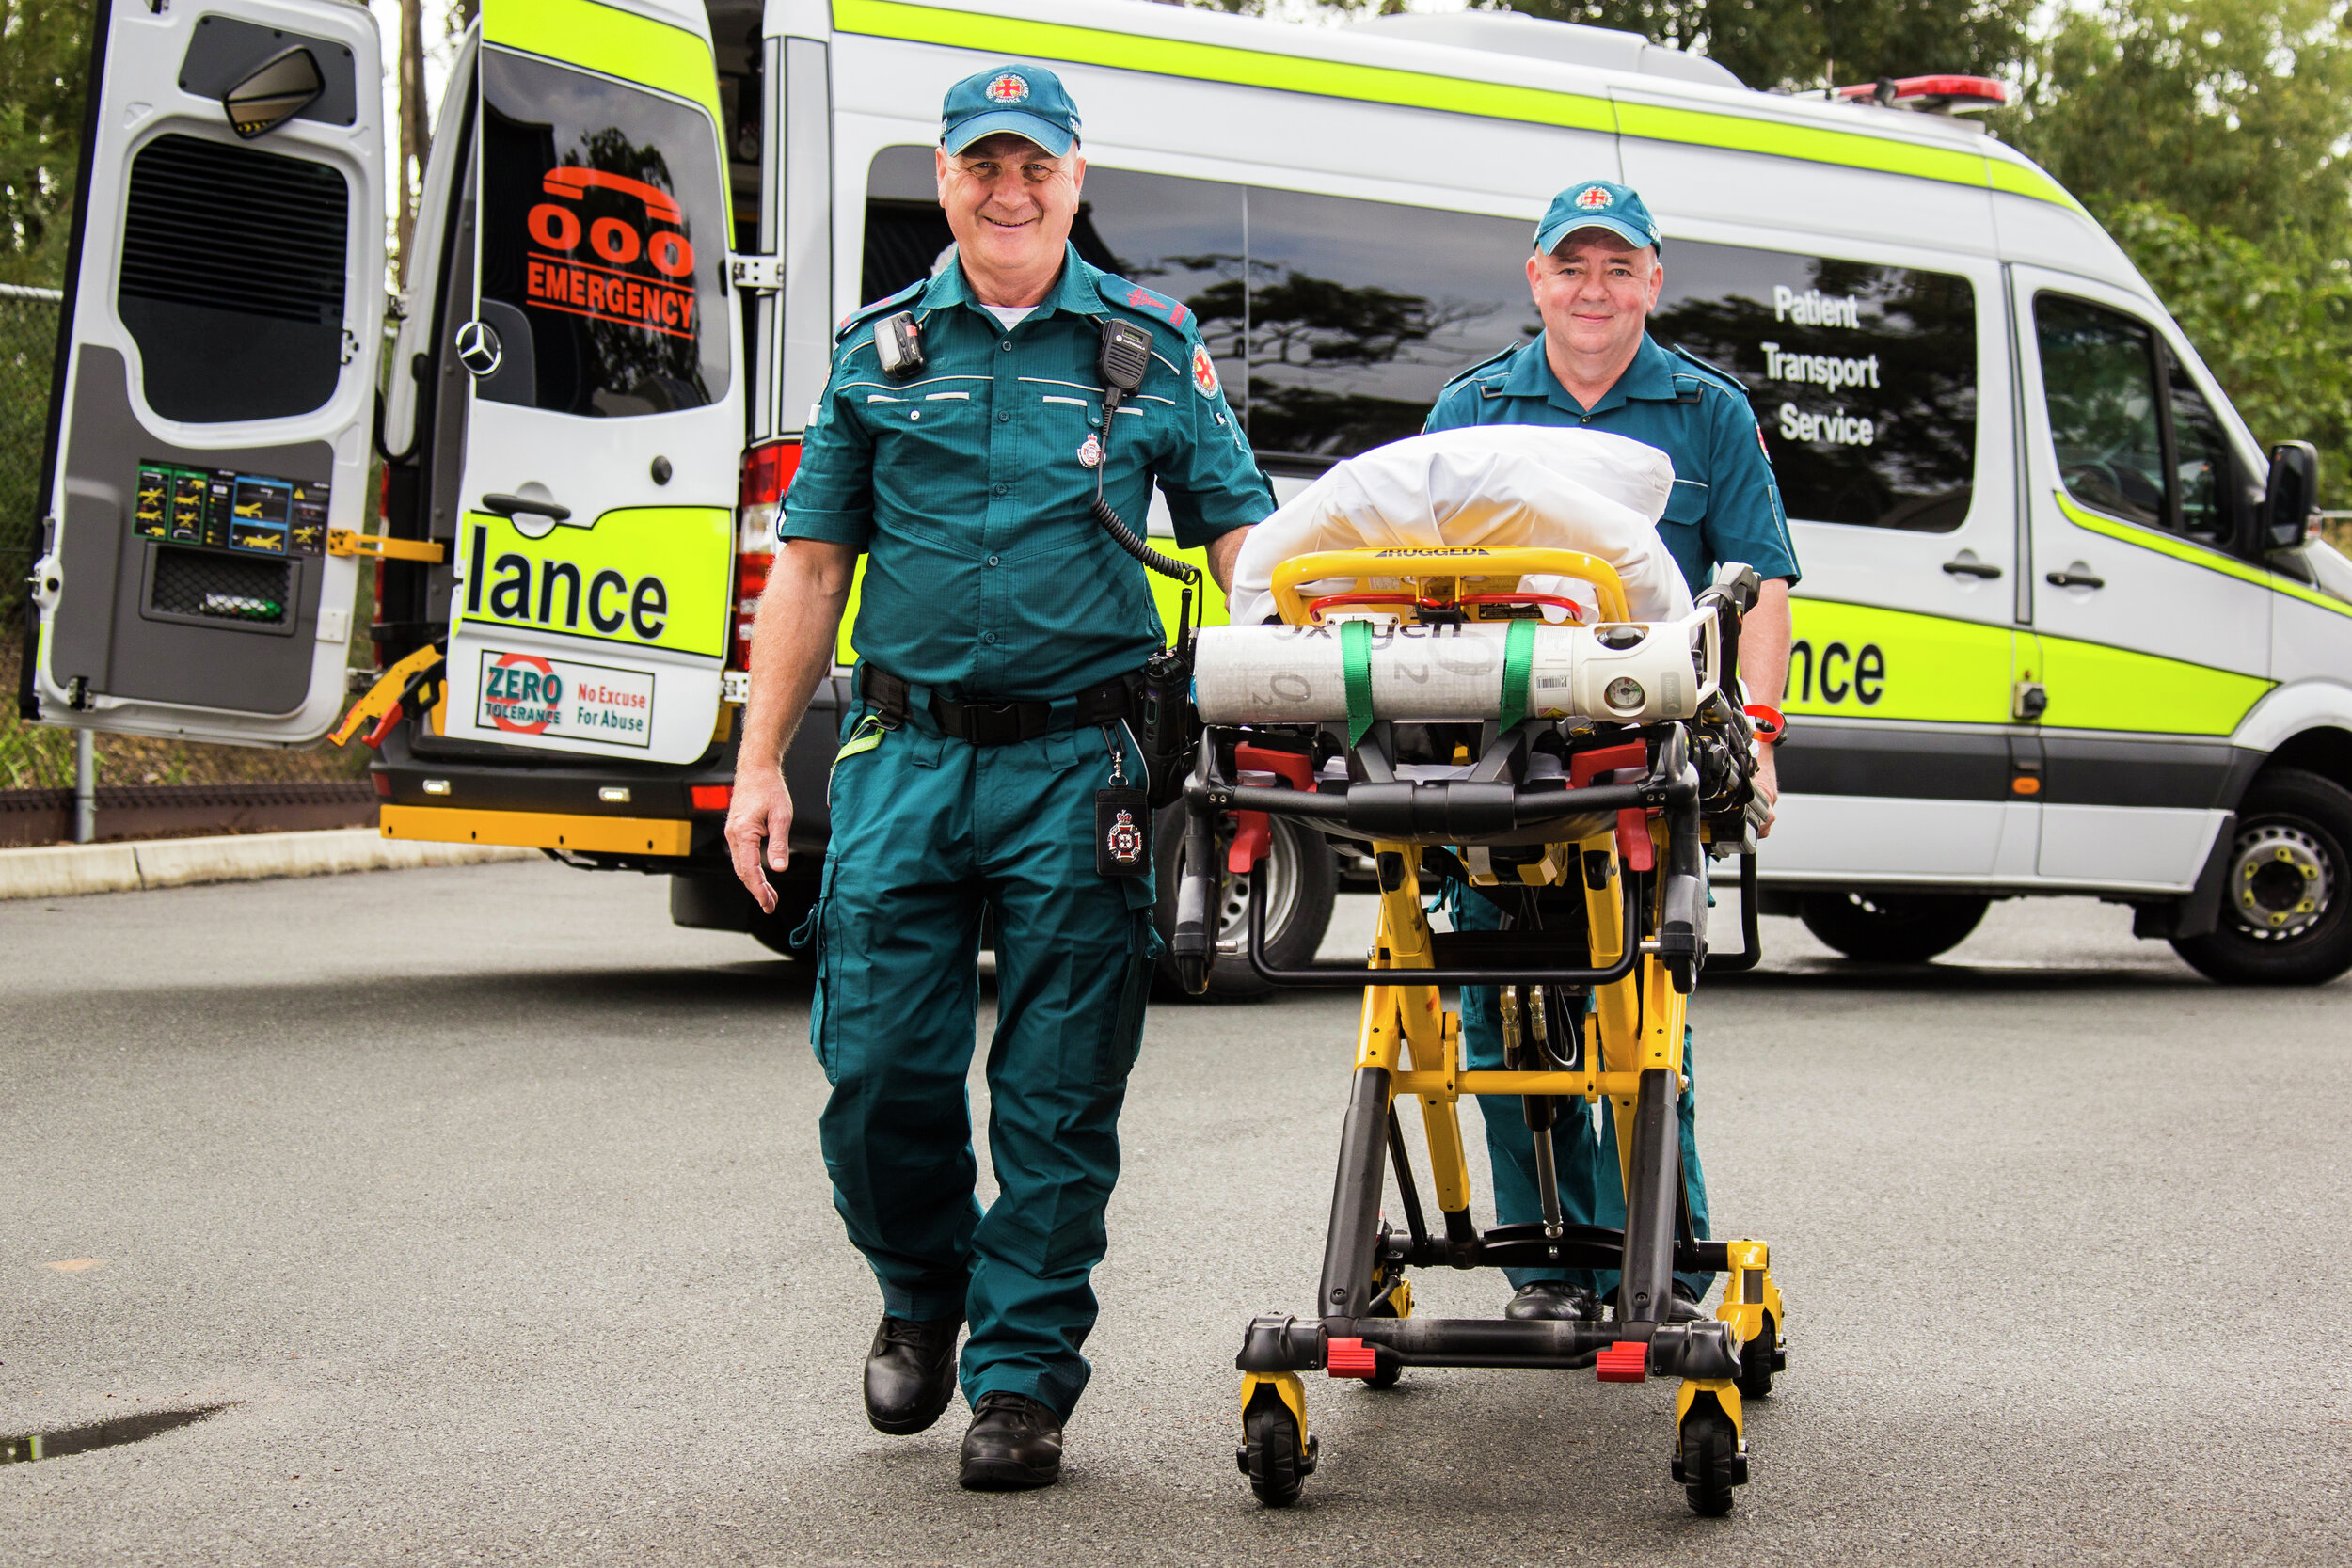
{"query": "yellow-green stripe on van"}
(2095, 687)
(1857, 662)
(1218, 62)
(1414, 90)
(616, 42)
(2194, 554)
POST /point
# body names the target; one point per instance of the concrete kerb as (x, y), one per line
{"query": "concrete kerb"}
(61, 870)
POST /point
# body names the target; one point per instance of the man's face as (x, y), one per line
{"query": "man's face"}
(1010, 202)
(1594, 292)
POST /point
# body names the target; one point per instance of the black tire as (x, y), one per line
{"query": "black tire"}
(1307, 881)
(1755, 1362)
(1270, 1454)
(794, 899)
(1892, 927)
(1709, 1451)
(2294, 845)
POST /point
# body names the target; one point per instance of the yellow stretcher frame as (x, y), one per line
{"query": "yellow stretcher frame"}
(1406, 1031)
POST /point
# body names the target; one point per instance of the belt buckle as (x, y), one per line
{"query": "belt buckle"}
(994, 723)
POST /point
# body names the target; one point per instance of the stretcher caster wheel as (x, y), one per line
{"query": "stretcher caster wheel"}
(1710, 1462)
(1757, 1361)
(1272, 1455)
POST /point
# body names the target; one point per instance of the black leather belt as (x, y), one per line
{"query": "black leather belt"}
(983, 723)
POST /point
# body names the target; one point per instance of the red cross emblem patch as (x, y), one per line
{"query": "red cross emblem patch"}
(1203, 370)
(1008, 89)
(1592, 198)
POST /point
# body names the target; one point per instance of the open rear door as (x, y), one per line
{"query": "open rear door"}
(596, 544)
(219, 350)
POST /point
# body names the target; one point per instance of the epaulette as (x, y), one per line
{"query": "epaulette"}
(1135, 296)
(1722, 379)
(1491, 387)
(879, 308)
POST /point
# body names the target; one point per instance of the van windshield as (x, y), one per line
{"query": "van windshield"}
(603, 235)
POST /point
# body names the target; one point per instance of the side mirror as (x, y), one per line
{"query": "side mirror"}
(279, 88)
(2290, 497)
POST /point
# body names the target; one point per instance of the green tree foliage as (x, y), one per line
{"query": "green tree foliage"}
(2209, 137)
(45, 52)
(2233, 113)
(1801, 43)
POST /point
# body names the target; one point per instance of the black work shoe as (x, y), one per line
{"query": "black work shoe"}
(1014, 1444)
(1684, 1307)
(910, 1373)
(1553, 1301)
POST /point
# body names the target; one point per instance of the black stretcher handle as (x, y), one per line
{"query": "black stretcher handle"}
(1357, 976)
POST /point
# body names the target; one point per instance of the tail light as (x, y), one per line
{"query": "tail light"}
(768, 471)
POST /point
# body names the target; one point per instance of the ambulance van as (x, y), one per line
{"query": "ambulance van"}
(2062, 628)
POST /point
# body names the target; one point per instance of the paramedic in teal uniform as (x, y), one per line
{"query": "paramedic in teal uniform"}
(998, 631)
(1595, 276)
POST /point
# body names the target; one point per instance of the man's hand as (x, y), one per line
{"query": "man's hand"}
(1767, 786)
(1764, 637)
(761, 809)
(792, 649)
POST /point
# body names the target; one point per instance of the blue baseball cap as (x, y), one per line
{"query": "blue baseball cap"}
(1026, 100)
(1597, 204)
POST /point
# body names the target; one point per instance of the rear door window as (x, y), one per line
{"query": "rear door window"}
(603, 237)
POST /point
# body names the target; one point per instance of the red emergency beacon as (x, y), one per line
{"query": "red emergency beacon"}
(1934, 95)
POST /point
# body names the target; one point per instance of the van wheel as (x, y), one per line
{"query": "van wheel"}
(1304, 881)
(2286, 905)
(1892, 927)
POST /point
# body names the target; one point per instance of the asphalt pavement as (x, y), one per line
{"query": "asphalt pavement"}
(486, 1206)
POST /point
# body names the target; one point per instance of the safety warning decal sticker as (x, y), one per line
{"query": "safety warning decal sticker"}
(1203, 370)
(229, 510)
(529, 694)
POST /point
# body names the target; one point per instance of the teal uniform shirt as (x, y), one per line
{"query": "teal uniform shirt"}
(966, 483)
(1725, 504)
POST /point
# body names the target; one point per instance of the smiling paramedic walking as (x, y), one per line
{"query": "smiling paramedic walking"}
(961, 446)
(1596, 274)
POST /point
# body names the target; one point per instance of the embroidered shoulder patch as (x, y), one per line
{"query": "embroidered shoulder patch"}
(1203, 370)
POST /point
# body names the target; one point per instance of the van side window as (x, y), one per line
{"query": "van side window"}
(2099, 384)
(1333, 322)
(1864, 377)
(603, 243)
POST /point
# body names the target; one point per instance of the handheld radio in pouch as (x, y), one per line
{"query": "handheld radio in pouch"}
(898, 345)
(1167, 722)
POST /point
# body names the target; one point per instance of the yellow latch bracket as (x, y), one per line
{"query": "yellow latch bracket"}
(385, 697)
(343, 541)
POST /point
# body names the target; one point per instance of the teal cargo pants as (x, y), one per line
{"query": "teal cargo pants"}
(927, 831)
(1592, 1187)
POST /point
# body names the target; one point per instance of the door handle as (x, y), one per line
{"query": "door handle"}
(1967, 566)
(509, 506)
(2074, 579)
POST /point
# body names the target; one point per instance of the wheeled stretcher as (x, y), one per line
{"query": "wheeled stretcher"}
(1434, 708)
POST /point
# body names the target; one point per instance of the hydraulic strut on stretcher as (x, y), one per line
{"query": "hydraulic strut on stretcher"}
(1578, 776)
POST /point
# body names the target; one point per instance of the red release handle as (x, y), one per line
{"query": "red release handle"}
(1772, 726)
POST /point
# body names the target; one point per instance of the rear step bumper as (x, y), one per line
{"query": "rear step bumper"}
(634, 816)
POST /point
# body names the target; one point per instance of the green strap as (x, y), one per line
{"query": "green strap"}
(1356, 660)
(1518, 660)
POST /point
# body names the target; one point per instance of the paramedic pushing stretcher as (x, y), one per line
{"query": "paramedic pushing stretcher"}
(1595, 277)
(958, 448)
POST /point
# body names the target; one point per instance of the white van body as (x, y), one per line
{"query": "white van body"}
(2035, 651)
